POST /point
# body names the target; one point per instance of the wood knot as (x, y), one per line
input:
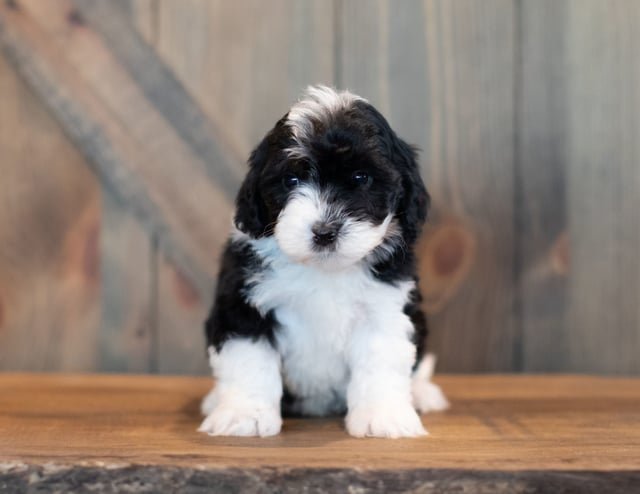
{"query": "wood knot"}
(12, 4)
(447, 253)
(82, 247)
(75, 18)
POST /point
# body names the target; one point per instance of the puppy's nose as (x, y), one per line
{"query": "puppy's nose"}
(324, 234)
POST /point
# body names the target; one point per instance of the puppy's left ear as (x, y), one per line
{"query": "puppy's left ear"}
(414, 201)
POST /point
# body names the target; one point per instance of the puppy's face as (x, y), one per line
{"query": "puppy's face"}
(333, 184)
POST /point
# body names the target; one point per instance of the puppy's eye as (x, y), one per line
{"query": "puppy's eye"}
(290, 181)
(360, 178)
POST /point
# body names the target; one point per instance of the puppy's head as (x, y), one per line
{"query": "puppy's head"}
(333, 184)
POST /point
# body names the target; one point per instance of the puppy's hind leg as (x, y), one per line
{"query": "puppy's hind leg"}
(427, 396)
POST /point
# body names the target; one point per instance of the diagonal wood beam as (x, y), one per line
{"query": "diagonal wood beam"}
(154, 158)
(206, 137)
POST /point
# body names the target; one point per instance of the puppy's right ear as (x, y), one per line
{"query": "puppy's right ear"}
(252, 216)
(250, 207)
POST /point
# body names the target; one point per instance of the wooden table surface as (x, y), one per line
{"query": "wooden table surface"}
(504, 430)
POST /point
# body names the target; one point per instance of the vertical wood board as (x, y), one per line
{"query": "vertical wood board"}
(542, 230)
(603, 186)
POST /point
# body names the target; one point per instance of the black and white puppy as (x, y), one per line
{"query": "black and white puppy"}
(316, 310)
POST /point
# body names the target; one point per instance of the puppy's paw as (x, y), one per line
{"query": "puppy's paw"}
(384, 421)
(428, 397)
(230, 420)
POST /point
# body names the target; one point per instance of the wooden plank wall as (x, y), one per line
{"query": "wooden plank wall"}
(49, 217)
(527, 113)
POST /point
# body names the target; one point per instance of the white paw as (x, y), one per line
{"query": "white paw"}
(229, 420)
(428, 397)
(384, 421)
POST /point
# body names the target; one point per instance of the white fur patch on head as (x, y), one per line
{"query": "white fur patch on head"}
(308, 206)
(318, 104)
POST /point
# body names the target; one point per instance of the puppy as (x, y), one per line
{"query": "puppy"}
(316, 311)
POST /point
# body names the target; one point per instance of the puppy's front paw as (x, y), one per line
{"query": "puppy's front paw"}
(230, 420)
(384, 421)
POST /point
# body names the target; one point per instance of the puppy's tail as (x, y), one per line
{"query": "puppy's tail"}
(426, 368)
(427, 396)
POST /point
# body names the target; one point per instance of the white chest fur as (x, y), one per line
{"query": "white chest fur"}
(318, 313)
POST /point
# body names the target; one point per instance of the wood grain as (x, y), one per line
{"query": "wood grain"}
(49, 240)
(603, 183)
(209, 140)
(127, 340)
(181, 344)
(543, 264)
(247, 63)
(94, 97)
(443, 73)
(496, 423)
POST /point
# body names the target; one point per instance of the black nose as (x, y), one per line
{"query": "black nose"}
(324, 234)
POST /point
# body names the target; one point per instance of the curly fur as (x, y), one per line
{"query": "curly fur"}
(317, 306)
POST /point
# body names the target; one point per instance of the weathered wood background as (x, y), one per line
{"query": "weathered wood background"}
(124, 126)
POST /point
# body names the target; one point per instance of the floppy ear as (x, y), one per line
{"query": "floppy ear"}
(414, 201)
(250, 215)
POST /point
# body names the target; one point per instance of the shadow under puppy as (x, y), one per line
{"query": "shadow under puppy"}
(316, 311)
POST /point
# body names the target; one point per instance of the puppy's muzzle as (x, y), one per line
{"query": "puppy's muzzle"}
(325, 234)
